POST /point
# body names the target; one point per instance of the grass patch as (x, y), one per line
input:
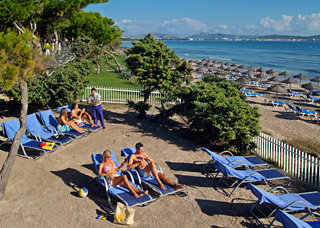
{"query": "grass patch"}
(306, 146)
(110, 79)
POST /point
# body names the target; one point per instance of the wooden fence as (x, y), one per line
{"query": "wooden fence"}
(296, 162)
(120, 95)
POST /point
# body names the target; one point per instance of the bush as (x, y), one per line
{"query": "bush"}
(141, 107)
(215, 109)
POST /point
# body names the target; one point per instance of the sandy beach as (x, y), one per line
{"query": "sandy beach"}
(43, 193)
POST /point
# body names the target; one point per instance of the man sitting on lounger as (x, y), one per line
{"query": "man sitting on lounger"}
(146, 166)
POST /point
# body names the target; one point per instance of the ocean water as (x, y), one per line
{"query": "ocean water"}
(294, 57)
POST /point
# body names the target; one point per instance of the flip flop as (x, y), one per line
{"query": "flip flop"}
(102, 217)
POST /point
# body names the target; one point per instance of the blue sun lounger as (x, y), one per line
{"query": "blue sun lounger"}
(49, 121)
(267, 202)
(289, 221)
(234, 161)
(121, 193)
(10, 128)
(247, 176)
(85, 125)
(37, 130)
(312, 99)
(149, 181)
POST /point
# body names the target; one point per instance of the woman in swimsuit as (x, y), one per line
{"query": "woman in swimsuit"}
(80, 115)
(63, 120)
(107, 168)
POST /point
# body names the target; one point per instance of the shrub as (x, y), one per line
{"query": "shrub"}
(215, 109)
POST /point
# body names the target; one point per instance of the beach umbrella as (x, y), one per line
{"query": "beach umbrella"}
(242, 67)
(271, 71)
(317, 80)
(242, 80)
(234, 65)
(251, 68)
(289, 81)
(262, 70)
(300, 76)
(201, 69)
(310, 86)
(274, 79)
(260, 75)
(277, 89)
(237, 70)
(285, 74)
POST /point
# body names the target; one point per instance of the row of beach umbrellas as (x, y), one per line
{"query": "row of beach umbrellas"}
(207, 65)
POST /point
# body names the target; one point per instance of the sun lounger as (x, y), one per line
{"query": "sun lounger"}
(247, 176)
(84, 125)
(289, 221)
(37, 130)
(293, 94)
(233, 161)
(121, 193)
(312, 99)
(290, 108)
(305, 112)
(263, 85)
(10, 128)
(279, 103)
(267, 202)
(49, 121)
(149, 181)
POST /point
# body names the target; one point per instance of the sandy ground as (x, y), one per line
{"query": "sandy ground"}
(43, 193)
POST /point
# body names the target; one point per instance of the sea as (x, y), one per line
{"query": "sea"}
(292, 56)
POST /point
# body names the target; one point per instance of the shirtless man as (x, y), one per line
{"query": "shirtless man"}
(146, 166)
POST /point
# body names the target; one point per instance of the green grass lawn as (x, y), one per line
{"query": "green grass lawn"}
(109, 79)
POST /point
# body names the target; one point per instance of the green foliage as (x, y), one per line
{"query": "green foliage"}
(65, 84)
(126, 74)
(91, 24)
(216, 111)
(19, 57)
(141, 107)
(156, 67)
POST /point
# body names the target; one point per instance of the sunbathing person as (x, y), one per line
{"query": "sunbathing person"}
(64, 122)
(79, 116)
(146, 166)
(107, 168)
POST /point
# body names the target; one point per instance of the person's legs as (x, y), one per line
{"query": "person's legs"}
(123, 181)
(151, 169)
(85, 116)
(76, 128)
(99, 110)
(168, 181)
(94, 111)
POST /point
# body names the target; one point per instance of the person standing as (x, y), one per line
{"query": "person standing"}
(95, 100)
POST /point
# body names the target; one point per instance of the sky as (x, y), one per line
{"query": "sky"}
(240, 17)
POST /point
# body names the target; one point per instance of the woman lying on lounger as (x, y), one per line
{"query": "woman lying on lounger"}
(80, 115)
(107, 168)
(64, 124)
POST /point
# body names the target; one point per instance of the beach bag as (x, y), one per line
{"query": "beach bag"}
(123, 215)
(61, 136)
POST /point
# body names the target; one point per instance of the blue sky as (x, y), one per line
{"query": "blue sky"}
(185, 17)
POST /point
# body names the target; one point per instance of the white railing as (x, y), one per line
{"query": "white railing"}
(296, 162)
(120, 95)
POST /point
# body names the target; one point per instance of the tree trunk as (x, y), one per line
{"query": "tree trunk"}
(8, 164)
(56, 36)
(114, 58)
(146, 95)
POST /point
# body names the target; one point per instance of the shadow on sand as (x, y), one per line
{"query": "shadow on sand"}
(76, 180)
(187, 167)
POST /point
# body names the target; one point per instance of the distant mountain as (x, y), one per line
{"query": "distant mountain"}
(288, 37)
(215, 36)
(220, 36)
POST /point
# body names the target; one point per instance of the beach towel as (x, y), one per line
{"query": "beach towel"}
(123, 215)
(48, 146)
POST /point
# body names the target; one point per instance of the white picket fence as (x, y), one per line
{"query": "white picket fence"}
(120, 95)
(296, 162)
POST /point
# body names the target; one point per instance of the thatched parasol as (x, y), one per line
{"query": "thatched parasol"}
(316, 79)
(262, 70)
(290, 81)
(300, 76)
(310, 86)
(274, 79)
(277, 89)
(285, 74)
